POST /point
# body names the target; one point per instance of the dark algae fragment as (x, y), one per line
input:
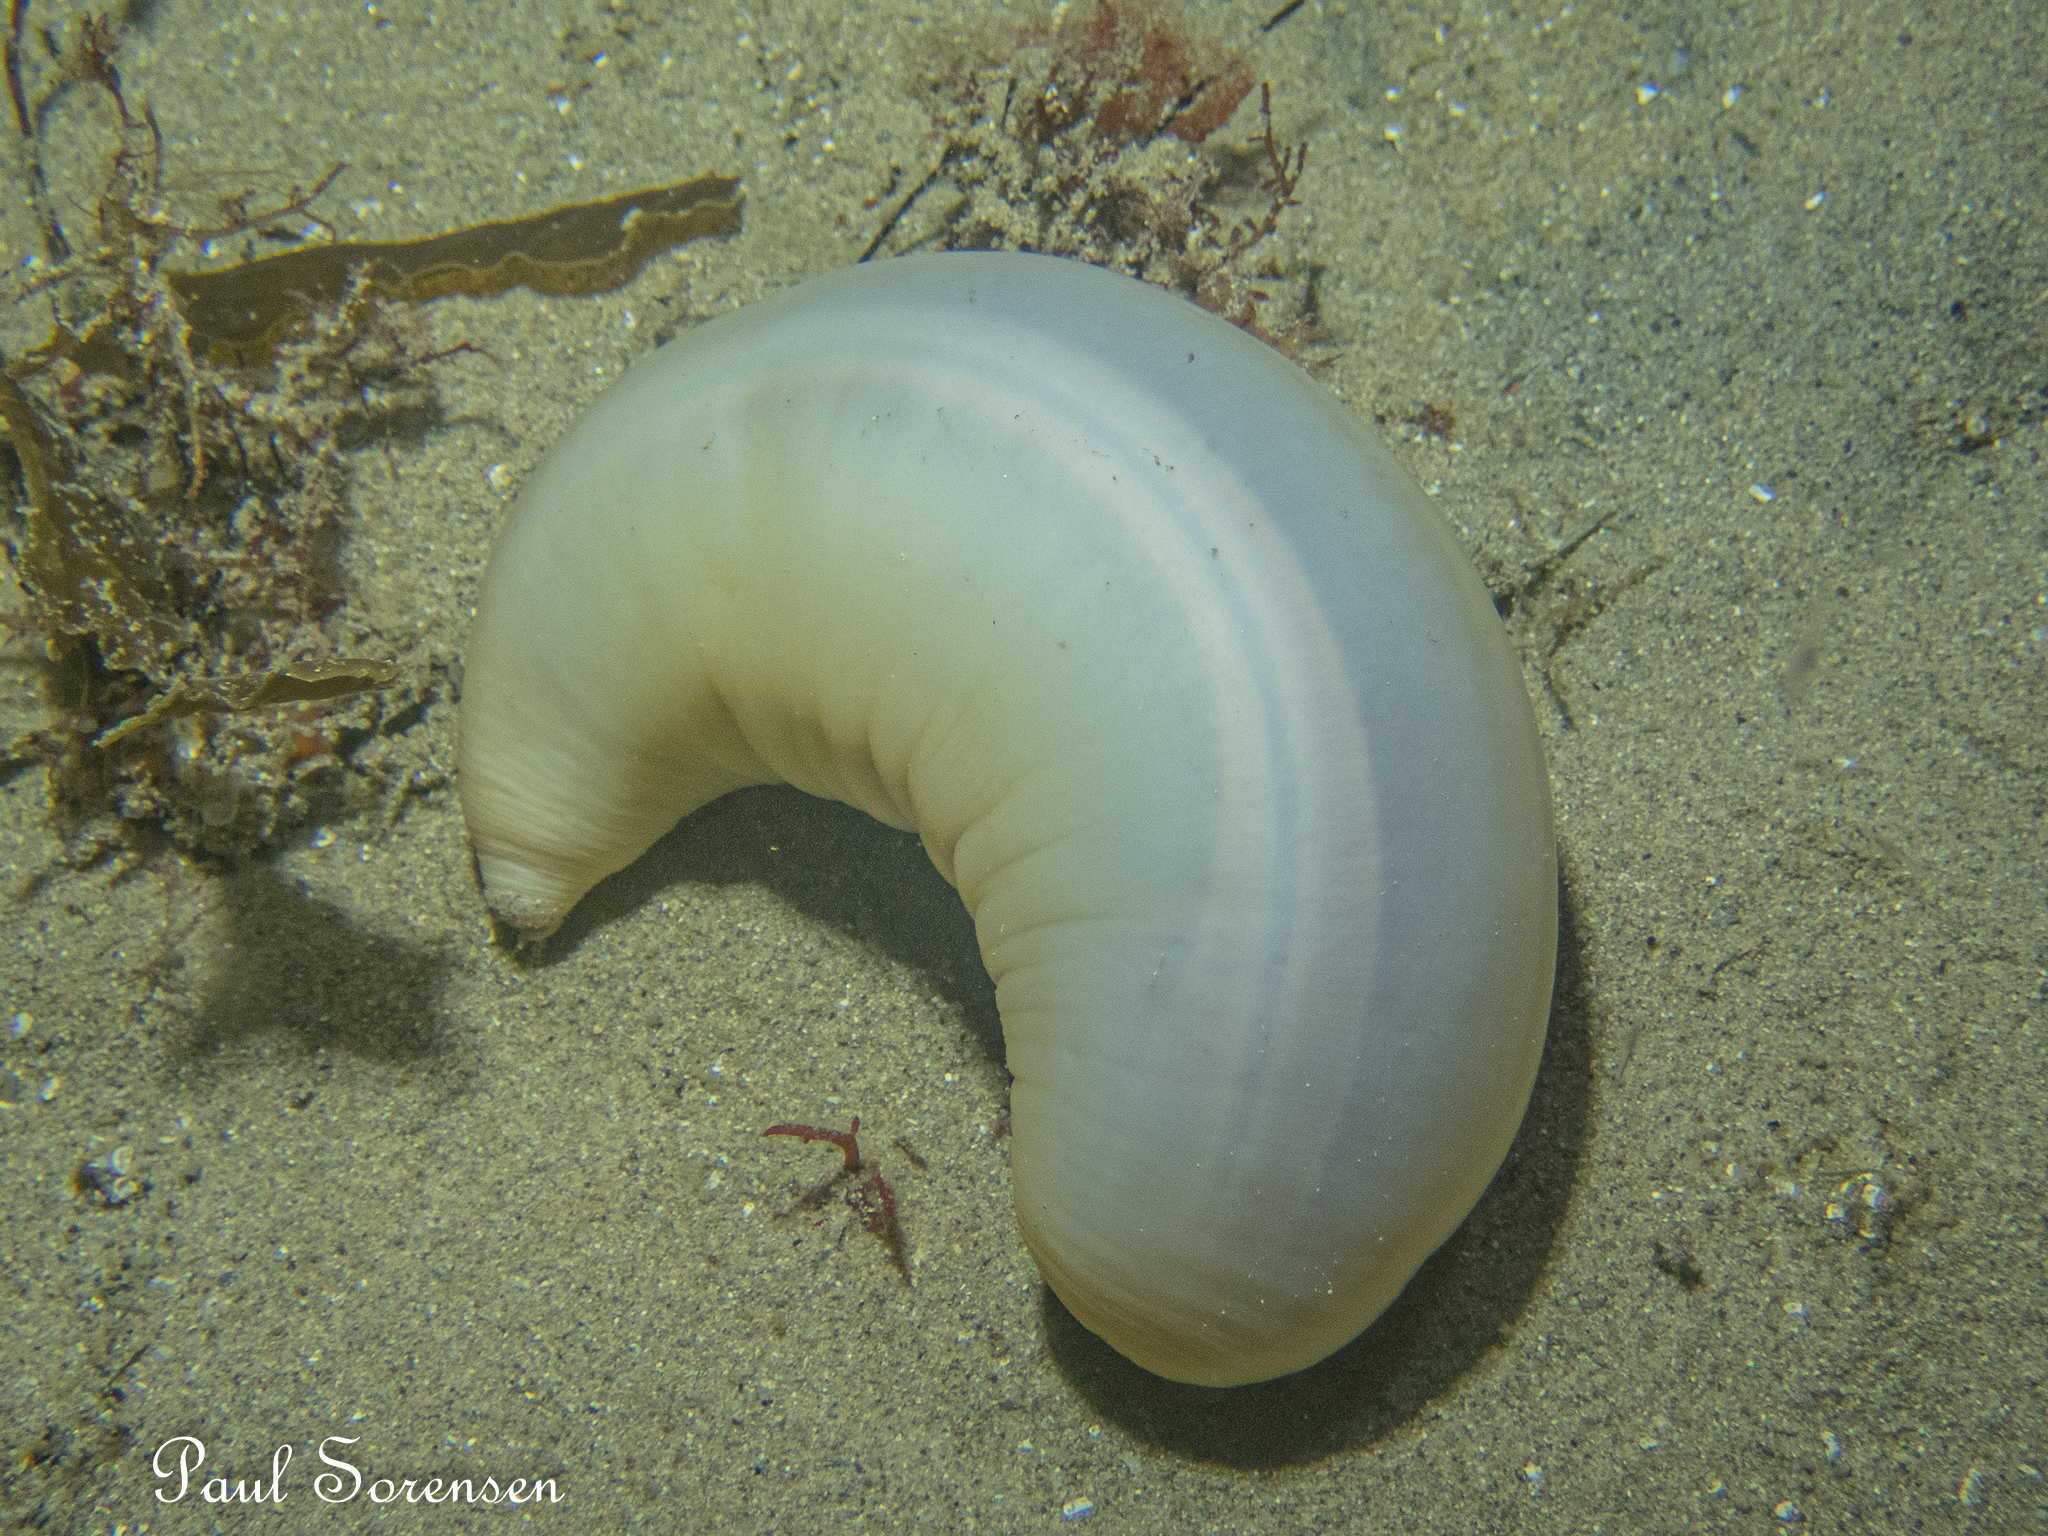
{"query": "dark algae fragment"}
(873, 1201)
(293, 683)
(239, 314)
(1101, 132)
(87, 576)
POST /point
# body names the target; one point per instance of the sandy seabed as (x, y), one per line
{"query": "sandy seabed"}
(1737, 316)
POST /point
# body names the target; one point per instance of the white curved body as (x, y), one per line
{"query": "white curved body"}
(1188, 692)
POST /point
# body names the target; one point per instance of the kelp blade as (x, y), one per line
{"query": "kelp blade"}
(239, 314)
(295, 683)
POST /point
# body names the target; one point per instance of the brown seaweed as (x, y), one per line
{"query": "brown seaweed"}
(239, 314)
(293, 683)
(84, 573)
(177, 519)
